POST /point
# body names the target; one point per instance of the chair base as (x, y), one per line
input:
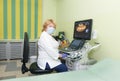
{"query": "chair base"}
(24, 69)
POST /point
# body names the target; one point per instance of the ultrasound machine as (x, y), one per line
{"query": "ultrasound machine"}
(79, 47)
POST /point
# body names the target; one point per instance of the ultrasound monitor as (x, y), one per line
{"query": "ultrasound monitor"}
(82, 32)
(82, 29)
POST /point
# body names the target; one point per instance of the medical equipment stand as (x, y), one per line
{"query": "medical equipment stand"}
(79, 59)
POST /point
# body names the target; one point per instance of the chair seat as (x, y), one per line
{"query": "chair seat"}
(34, 69)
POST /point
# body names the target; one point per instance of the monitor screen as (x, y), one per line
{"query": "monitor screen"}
(76, 44)
(82, 29)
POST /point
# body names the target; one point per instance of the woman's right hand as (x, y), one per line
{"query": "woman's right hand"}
(63, 55)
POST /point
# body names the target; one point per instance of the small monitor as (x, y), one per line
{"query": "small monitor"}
(82, 29)
(77, 44)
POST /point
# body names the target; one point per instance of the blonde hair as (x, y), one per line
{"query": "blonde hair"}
(47, 22)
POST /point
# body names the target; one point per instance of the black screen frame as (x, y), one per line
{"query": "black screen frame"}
(87, 36)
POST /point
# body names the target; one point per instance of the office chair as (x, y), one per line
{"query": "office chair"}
(34, 69)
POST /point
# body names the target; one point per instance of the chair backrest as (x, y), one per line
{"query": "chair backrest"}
(26, 48)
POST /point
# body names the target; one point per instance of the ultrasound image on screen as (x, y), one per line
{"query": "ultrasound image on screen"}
(82, 29)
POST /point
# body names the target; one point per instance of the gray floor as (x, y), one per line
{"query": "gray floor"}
(12, 69)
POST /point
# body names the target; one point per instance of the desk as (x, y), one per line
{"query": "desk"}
(106, 70)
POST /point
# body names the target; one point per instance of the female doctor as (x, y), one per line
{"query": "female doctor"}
(48, 57)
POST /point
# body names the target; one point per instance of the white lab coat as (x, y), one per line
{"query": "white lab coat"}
(47, 51)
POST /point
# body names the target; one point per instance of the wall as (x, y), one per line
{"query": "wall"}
(48, 10)
(19, 16)
(106, 17)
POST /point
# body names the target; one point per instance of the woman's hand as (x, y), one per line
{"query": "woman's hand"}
(63, 55)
